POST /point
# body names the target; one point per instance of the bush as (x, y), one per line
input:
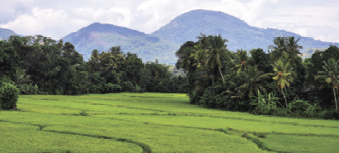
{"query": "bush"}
(331, 115)
(297, 104)
(9, 95)
(112, 88)
(83, 113)
(137, 89)
(313, 111)
(128, 86)
(283, 112)
(266, 104)
(5, 80)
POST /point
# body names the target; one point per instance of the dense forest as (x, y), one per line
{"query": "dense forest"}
(278, 82)
(40, 65)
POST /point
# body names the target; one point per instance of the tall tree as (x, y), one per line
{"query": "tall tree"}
(217, 53)
(241, 59)
(330, 76)
(282, 75)
(115, 50)
(253, 78)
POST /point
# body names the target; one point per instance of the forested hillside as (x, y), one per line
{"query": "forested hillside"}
(239, 34)
(5, 33)
(103, 36)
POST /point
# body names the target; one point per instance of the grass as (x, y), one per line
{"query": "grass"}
(153, 122)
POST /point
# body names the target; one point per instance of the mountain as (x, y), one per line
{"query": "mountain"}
(240, 35)
(104, 36)
(5, 33)
(163, 43)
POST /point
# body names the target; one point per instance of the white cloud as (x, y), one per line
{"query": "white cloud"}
(48, 22)
(115, 15)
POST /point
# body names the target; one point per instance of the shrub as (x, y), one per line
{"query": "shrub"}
(283, 112)
(331, 115)
(266, 104)
(194, 97)
(137, 89)
(128, 86)
(5, 80)
(9, 95)
(112, 88)
(313, 111)
(83, 113)
(262, 135)
(298, 104)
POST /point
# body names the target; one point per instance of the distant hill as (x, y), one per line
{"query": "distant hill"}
(5, 33)
(104, 36)
(307, 53)
(163, 43)
(239, 34)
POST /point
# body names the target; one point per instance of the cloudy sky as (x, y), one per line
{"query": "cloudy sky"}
(312, 18)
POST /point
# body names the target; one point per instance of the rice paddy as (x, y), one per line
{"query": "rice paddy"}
(153, 122)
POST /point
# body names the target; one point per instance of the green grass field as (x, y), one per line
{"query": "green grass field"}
(153, 122)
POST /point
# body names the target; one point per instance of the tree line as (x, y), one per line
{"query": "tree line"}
(278, 82)
(40, 65)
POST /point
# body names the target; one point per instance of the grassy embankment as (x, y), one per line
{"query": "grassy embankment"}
(153, 122)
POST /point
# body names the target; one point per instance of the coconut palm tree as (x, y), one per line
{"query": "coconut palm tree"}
(116, 50)
(330, 76)
(186, 58)
(279, 48)
(282, 75)
(241, 59)
(217, 54)
(253, 79)
(95, 58)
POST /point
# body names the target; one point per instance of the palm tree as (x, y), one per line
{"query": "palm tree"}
(95, 58)
(293, 49)
(330, 77)
(241, 58)
(293, 45)
(200, 55)
(186, 58)
(46, 49)
(116, 50)
(253, 79)
(203, 40)
(217, 53)
(279, 48)
(282, 75)
(20, 77)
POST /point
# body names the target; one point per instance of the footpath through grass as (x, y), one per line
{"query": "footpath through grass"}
(153, 122)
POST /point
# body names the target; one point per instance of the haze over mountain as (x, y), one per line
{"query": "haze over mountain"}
(163, 43)
(5, 33)
(104, 36)
(239, 34)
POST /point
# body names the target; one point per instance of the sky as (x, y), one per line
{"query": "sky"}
(311, 18)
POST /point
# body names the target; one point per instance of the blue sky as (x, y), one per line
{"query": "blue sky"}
(312, 18)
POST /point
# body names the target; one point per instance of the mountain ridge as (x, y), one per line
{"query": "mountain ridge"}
(163, 43)
(5, 33)
(103, 36)
(239, 34)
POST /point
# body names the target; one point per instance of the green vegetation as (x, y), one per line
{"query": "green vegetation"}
(152, 122)
(277, 83)
(9, 95)
(40, 65)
